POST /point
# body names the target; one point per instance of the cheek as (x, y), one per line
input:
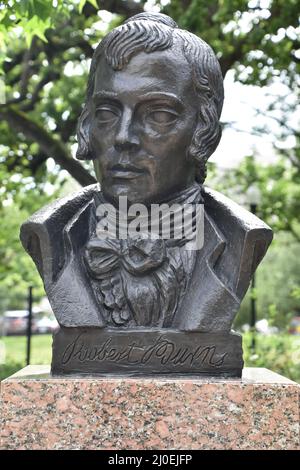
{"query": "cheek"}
(174, 140)
(179, 134)
(101, 148)
(101, 138)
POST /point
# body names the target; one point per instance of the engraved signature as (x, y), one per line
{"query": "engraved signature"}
(162, 351)
(168, 353)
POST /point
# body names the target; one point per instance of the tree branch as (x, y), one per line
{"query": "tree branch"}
(127, 8)
(26, 66)
(52, 147)
(280, 121)
(49, 77)
(288, 154)
(37, 161)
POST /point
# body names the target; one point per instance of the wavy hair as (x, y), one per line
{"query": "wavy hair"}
(148, 32)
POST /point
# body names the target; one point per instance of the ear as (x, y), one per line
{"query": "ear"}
(83, 131)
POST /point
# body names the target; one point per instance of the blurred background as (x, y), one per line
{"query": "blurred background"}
(45, 52)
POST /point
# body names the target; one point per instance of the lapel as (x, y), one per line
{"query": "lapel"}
(53, 237)
(208, 303)
(77, 304)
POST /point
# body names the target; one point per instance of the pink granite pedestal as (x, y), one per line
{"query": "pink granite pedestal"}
(260, 411)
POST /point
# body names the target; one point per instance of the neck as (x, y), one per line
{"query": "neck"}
(191, 194)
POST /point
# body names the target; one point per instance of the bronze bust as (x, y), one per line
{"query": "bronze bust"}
(150, 123)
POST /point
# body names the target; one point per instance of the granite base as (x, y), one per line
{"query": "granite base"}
(259, 411)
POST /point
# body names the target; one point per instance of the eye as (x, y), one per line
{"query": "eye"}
(106, 114)
(162, 116)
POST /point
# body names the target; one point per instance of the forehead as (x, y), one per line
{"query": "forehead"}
(159, 71)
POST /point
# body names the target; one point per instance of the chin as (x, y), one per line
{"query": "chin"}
(124, 190)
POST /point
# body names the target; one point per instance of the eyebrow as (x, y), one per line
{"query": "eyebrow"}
(104, 94)
(145, 97)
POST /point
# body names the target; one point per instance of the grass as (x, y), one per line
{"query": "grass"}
(279, 353)
(14, 351)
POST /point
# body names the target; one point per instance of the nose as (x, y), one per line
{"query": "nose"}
(126, 138)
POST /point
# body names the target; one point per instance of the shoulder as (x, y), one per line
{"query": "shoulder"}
(246, 236)
(218, 204)
(62, 209)
(42, 234)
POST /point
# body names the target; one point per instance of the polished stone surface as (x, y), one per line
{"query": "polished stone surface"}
(259, 411)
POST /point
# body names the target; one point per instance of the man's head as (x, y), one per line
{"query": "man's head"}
(151, 119)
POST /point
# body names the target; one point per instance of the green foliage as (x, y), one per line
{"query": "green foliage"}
(296, 292)
(276, 281)
(279, 185)
(29, 18)
(279, 353)
(46, 48)
(47, 79)
(15, 352)
(259, 42)
(6, 370)
(17, 270)
(45, 85)
(83, 2)
(278, 275)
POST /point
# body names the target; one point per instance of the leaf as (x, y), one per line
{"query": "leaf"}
(81, 5)
(83, 2)
(22, 7)
(5, 20)
(42, 8)
(94, 3)
(35, 27)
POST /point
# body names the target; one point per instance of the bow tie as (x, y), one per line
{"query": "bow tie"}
(138, 256)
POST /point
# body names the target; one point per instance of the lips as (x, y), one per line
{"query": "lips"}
(125, 171)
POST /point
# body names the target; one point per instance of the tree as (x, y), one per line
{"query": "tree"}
(45, 75)
(260, 41)
(46, 48)
(257, 38)
(17, 271)
(277, 284)
(279, 184)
